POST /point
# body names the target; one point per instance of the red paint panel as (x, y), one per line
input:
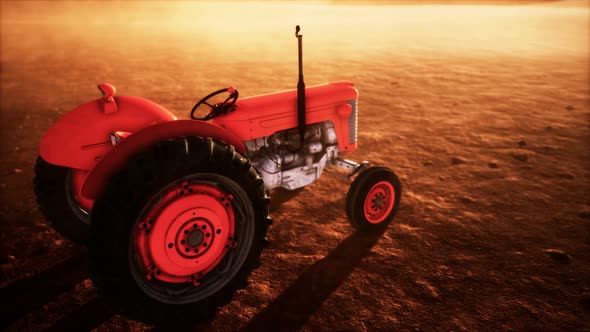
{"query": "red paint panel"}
(81, 137)
(163, 237)
(264, 115)
(379, 202)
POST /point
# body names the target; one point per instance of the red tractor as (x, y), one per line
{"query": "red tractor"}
(175, 212)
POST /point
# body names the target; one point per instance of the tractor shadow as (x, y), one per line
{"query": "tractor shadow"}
(305, 296)
(31, 293)
(87, 317)
(279, 196)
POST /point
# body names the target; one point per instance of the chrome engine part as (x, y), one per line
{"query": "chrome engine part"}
(282, 163)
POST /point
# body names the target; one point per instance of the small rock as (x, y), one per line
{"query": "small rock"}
(549, 128)
(522, 143)
(427, 163)
(584, 214)
(7, 259)
(467, 200)
(458, 161)
(442, 178)
(559, 255)
(566, 175)
(58, 242)
(39, 250)
(572, 281)
(520, 156)
(493, 164)
(569, 108)
(18, 171)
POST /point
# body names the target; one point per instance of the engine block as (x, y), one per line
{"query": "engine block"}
(281, 162)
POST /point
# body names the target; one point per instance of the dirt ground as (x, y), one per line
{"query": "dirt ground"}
(483, 112)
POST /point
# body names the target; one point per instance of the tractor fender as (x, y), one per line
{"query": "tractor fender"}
(116, 158)
(82, 137)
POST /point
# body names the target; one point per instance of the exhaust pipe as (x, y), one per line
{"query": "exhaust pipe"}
(300, 91)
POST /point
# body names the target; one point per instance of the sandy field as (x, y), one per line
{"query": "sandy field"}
(482, 110)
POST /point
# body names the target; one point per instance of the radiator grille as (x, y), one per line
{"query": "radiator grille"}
(353, 121)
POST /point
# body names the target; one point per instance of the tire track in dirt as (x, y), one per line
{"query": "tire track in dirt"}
(87, 317)
(27, 294)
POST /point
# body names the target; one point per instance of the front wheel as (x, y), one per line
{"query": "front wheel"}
(373, 199)
(178, 231)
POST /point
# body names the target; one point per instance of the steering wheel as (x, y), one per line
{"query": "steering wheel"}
(217, 109)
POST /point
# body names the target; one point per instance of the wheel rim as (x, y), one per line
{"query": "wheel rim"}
(79, 206)
(379, 202)
(192, 239)
(187, 233)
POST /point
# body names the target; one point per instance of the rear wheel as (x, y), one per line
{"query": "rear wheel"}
(178, 231)
(56, 199)
(373, 199)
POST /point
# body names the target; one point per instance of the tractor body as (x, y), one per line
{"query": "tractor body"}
(175, 212)
(267, 125)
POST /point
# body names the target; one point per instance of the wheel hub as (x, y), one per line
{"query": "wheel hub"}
(194, 238)
(378, 201)
(186, 233)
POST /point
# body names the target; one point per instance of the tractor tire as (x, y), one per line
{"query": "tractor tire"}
(178, 231)
(53, 188)
(373, 199)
